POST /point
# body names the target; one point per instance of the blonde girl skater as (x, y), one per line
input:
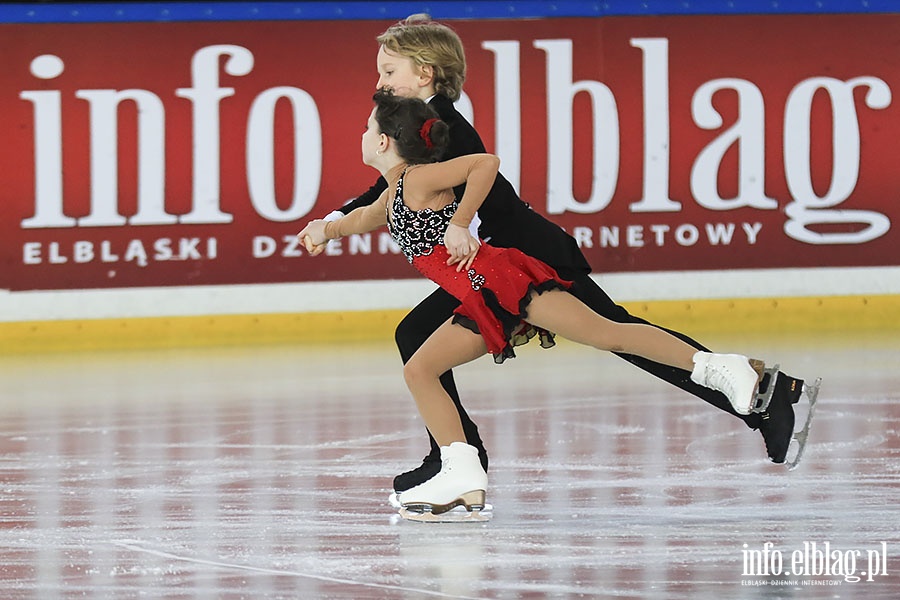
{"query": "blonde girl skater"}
(506, 297)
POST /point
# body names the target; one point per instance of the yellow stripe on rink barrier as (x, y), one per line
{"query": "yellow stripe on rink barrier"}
(831, 314)
(827, 314)
(186, 332)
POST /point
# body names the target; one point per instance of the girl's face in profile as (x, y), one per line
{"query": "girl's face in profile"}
(371, 139)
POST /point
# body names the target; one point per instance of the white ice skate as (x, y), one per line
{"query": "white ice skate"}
(734, 375)
(461, 482)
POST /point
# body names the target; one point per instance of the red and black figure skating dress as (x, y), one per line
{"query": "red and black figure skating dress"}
(496, 289)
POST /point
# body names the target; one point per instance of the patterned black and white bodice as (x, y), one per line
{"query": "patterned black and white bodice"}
(417, 232)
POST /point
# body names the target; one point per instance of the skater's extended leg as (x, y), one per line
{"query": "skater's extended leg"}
(776, 424)
(564, 314)
(586, 289)
(732, 374)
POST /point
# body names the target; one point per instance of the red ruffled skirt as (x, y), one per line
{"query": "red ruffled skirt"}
(494, 294)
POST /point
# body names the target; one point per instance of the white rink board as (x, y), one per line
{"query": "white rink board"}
(406, 293)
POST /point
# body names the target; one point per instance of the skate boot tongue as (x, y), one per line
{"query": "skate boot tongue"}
(458, 449)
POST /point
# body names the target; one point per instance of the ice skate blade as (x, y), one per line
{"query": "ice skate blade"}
(801, 437)
(471, 500)
(394, 501)
(762, 399)
(456, 515)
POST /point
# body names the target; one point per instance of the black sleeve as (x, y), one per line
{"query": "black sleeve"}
(464, 140)
(505, 218)
(367, 198)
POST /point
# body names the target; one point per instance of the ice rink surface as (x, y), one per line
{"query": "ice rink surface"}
(264, 473)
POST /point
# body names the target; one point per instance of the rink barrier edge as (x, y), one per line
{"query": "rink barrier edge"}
(810, 315)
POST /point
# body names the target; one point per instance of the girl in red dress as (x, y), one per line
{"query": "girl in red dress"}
(506, 296)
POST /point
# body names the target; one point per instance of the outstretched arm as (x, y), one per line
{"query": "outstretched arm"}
(360, 220)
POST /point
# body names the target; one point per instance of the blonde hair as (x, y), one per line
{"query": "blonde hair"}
(429, 43)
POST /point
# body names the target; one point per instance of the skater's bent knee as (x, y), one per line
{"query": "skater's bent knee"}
(415, 372)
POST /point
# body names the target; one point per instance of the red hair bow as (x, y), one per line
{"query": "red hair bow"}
(425, 132)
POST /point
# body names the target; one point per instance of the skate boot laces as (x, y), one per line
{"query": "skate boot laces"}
(735, 376)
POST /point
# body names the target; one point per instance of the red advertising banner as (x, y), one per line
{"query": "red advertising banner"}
(155, 154)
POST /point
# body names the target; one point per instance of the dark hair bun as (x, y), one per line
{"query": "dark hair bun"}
(403, 120)
(440, 134)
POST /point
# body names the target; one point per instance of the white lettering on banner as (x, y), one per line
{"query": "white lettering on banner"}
(807, 208)
(139, 252)
(748, 132)
(205, 95)
(104, 158)
(261, 154)
(656, 128)
(561, 92)
(508, 107)
(48, 184)
(804, 211)
(660, 235)
(264, 246)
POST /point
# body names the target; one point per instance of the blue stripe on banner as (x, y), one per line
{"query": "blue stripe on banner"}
(118, 12)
